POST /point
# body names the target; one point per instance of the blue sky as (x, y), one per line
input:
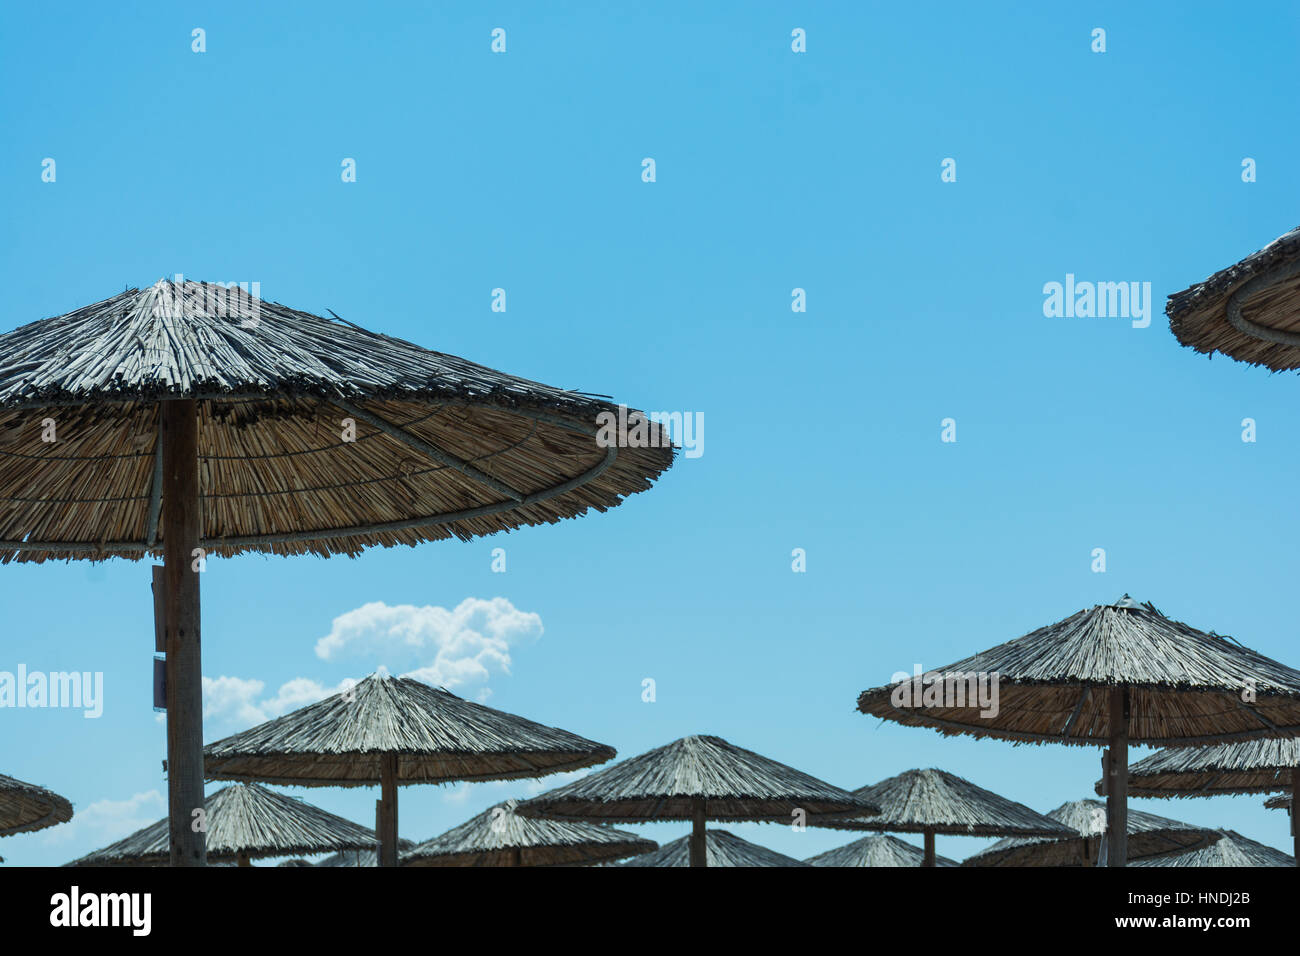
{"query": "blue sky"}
(775, 170)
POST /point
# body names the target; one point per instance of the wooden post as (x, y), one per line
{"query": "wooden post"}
(699, 852)
(182, 528)
(388, 797)
(928, 860)
(243, 860)
(1295, 830)
(1117, 784)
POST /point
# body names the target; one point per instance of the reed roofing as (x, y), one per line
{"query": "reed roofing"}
(25, 807)
(441, 447)
(665, 783)
(1251, 766)
(437, 737)
(1185, 685)
(1232, 849)
(878, 850)
(721, 848)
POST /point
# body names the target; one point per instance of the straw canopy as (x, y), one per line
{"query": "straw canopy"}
(1252, 766)
(244, 821)
(935, 801)
(1232, 849)
(500, 837)
(722, 848)
(436, 736)
(665, 784)
(314, 435)
(1148, 835)
(1185, 686)
(1281, 802)
(878, 850)
(1249, 311)
(361, 858)
(25, 807)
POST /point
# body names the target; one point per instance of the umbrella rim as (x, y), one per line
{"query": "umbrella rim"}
(58, 809)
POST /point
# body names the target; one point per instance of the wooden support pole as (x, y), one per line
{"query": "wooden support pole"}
(699, 852)
(1117, 782)
(182, 528)
(243, 860)
(1295, 830)
(928, 860)
(388, 798)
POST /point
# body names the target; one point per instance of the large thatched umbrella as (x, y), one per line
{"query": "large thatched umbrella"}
(1111, 674)
(935, 801)
(244, 822)
(1148, 835)
(500, 837)
(721, 848)
(397, 731)
(1252, 766)
(1249, 311)
(697, 779)
(879, 850)
(1232, 849)
(193, 420)
(25, 807)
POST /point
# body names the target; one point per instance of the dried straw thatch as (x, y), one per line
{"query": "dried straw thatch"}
(878, 850)
(437, 737)
(1184, 685)
(666, 783)
(361, 858)
(298, 861)
(935, 801)
(443, 447)
(243, 820)
(500, 837)
(1232, 849)
(1148, 835)
(722, 848)
(1251, 766)
(25, 807)
(1281, 802)
(1249, 311)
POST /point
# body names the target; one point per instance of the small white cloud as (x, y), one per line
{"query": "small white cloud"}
(107, 821)
(239, 701)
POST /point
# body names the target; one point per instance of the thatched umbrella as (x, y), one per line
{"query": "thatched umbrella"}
(1282, 801)
(879, 850)
(244, 822)
(25, 807)
(397, 731)
(721, 848)
(195, 420)
(1232, 849)
(297, 861)
(1111, 674)
(1252, 766)
(1249, 311)
(361, 858)
(1148, 835)
(935, 801)
(500, 837)
(697, 779)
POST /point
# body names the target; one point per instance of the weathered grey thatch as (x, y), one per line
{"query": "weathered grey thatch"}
(1249, 311)
(1232, 849)
(665, 783)
(1251, 766)
(1185, 685)
(296, 862)
(500, 837)
(437, 737)
(443, 447)
(878, 850)
(243, 820)
(1281, 802)
(935, 801)
(25, 807)
(722, 848)
(1148, 835)
(361, 858)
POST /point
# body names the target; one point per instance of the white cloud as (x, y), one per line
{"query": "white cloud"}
(239, 701)
(107, 821)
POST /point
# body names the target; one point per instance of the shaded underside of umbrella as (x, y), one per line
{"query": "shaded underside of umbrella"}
(243, 820)
(1185, 686)
(1251, 766)
(935, 801)
(436, 736)
(314, 435)
(25, 807)
(672, 783)
(1249, 311)
(722, 848)
(1148, 835)
(1232, 849)
(500, 837)
(878, 850)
